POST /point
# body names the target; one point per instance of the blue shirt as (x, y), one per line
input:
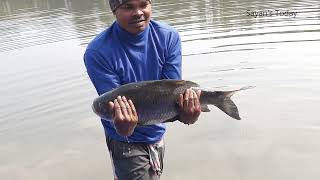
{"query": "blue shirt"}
(116, 57)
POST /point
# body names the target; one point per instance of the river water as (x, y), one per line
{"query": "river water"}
(48, 130)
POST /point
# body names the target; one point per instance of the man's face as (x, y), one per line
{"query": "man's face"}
(134, 16)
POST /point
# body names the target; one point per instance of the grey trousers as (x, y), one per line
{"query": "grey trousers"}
(131, 161)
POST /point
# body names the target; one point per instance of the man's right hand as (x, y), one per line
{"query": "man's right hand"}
(125, 116)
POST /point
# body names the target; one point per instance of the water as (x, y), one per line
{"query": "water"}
(48, 130)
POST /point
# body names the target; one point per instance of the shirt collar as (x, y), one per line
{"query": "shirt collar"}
(126, 36)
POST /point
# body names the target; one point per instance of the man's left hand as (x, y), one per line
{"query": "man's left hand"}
(190, 107)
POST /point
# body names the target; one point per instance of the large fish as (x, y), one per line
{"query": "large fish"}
(157, 101)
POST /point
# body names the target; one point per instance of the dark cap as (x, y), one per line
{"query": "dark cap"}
(114, 4)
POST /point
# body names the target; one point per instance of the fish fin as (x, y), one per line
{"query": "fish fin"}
(205, 108)
(172, 119)
(188, 84)
(191, 84)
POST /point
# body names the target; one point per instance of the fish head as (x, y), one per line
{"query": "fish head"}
(102, 110)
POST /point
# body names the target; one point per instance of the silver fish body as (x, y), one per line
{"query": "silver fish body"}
(157, 101)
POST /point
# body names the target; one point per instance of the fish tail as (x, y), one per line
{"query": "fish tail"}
(225, 104)
(222, 100)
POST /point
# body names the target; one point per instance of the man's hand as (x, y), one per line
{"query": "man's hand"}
(190, 108)
(125, 116)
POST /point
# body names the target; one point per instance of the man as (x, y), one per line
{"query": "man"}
(136, 48)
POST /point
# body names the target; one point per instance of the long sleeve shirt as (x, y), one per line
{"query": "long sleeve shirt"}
(116, 57)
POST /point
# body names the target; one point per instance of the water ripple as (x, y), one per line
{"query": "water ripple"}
(206, 20)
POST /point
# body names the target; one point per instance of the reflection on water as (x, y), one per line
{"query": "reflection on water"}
(47, 128)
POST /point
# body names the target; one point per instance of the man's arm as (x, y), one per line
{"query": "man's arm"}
(104, 79)
(189, 104)
(172, 66)
(100, 71)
